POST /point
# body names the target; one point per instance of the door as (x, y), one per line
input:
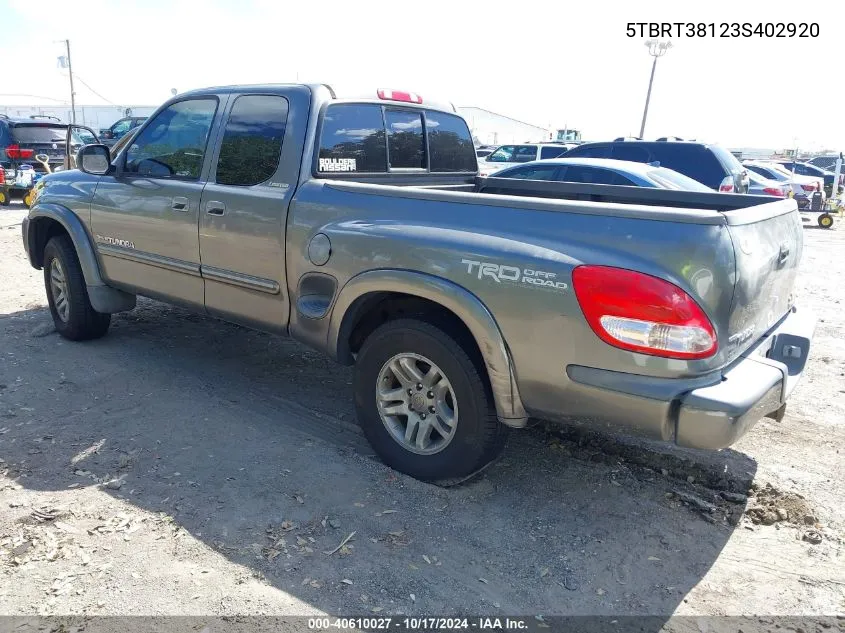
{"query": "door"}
(244, 209)
(145, 216)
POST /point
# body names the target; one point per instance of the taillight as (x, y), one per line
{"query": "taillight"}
(16, 153)
(726, 188)
(641, 313)
(398, 95)
(811, 187)
(2, 176)
(774, 191)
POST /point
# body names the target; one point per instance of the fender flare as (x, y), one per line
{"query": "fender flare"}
(465, 305)
(103, 297)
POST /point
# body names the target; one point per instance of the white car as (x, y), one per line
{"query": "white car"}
(510, 155)
(800, 186)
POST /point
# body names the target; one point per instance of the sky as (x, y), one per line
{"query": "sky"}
(550, 63)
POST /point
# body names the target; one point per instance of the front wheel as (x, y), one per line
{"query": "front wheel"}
(67, 296)
(825, 220)
(423, 404)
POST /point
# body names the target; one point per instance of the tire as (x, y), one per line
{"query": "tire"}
(475, 438)
(825, 220)
(5, 197)
(74, 317)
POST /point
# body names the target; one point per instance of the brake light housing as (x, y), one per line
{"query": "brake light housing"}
(399, 95)
(726, 188)
(774, 191)
(810, 187)
(641, 313)
(16, 153)
(2, 176)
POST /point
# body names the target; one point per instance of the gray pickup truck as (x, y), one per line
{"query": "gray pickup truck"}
(466, 304)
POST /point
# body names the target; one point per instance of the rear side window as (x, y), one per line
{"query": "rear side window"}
(252, 142)
(590, 151)
(551, 152)
(694, 161)
(634, 153)
(449, 143)
(353, 139)
(532, 172)
(525, 154)
(405, 141)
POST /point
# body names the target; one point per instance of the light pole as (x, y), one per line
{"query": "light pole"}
(64, 62)
(655, 49)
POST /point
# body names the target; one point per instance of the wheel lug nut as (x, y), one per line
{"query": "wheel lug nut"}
(430, 394)
(422, 415)
(419, 386)
(431, 409)
(410, 393)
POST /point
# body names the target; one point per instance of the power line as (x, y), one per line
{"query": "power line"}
(84, 83)
(63, 101)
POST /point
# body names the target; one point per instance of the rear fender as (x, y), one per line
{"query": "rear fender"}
(459, 301)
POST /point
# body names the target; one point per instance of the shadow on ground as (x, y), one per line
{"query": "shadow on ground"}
(245, 438)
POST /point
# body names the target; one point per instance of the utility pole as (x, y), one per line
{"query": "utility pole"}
(64, 62)
(72, 93)
(655, 49)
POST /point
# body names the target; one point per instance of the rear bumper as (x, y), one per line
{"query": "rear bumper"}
(707, 412)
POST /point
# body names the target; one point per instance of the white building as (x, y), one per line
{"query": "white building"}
(95, 117)
(489, 128)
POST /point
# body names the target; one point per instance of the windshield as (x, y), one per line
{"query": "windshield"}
(27, 134)
(670, 179)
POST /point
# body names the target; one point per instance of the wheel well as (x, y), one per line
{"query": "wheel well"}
(377, 308)
(42, 231)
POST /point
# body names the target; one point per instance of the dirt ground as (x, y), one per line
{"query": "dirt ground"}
(182, 465)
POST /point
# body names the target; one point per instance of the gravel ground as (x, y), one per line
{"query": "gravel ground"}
(182, 465)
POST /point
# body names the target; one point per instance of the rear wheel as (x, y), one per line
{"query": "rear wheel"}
(5, 198)
(825, 220)
(67, 296)
(423, 404)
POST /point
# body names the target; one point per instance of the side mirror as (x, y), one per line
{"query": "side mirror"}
(107, 134)
(94, 159)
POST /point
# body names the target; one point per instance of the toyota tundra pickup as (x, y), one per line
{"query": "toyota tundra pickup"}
(359, 226)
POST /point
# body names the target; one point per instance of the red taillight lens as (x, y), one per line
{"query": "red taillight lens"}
(398, 95)
(726, 188)
(641, 313)
(809, 187)
(774, 191)
(16, 153)
(2, 176)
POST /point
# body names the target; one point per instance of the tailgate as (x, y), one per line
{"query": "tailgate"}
(768, 241)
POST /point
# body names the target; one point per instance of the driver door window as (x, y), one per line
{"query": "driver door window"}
(173, 145)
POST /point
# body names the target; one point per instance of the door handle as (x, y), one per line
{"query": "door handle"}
(179, 203)
(784, 253)
(213, 207)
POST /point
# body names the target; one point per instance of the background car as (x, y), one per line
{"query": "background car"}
(509, 155)
(709, 164)
(761, 186)
(827, 162)
(119, 128)
(481, 153)
(775, 171)
(806, 169)
(21, 140)
(603, 171)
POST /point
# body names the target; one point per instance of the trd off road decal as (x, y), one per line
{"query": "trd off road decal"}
(338, 164)
(514, 274)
